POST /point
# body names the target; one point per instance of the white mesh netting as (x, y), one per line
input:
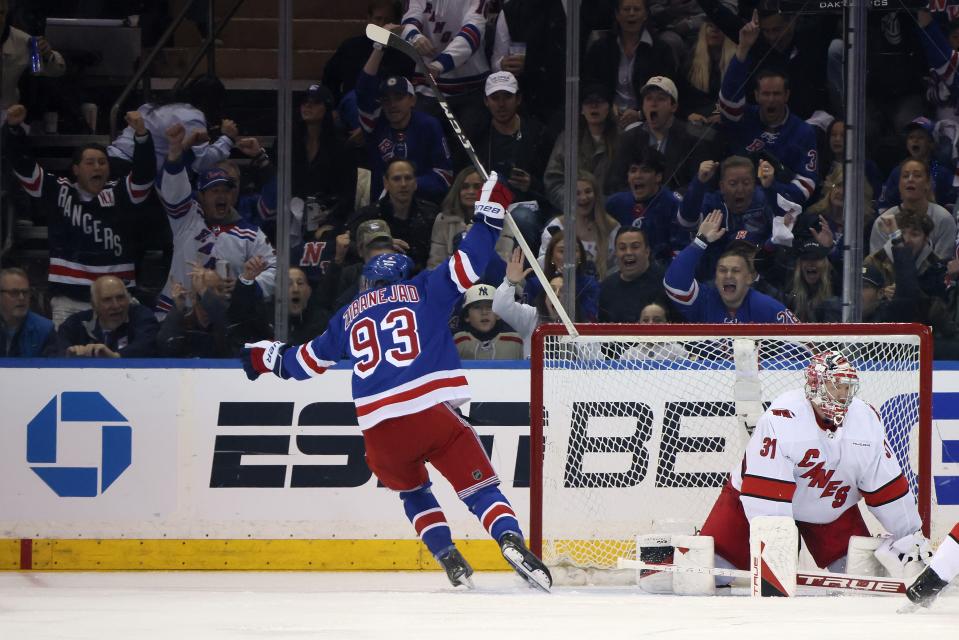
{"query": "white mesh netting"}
(641, 431)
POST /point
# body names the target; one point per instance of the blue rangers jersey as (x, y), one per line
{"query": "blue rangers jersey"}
(89, 235)
(793, 141)
(422, 142)
(398, 338)
(756, 221)
(657, 216)
(943, 61)
(704, 304)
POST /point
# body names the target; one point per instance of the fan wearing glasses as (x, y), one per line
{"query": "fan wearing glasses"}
(23, 333)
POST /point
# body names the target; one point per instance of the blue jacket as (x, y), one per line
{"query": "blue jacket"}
(137, 338)
(704, 304)
(793, 141)
(36, 338)
(422, 142)
(753, 225)
(657, 217)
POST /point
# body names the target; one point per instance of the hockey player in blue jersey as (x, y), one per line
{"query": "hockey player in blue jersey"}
(768, 128)
(407, 382)
(732, 299)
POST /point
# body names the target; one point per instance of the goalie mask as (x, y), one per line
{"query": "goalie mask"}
(824, 374)
(385, 269)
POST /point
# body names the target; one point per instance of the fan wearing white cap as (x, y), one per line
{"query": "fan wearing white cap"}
(663, 131)
(510, 144)
(625, 59)
(484, 336)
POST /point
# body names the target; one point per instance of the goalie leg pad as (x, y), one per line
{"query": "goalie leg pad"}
(774, 556)
(694, 551)
(861, 557)
(655, 549)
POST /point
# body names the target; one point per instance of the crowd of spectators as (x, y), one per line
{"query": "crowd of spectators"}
(709, 189)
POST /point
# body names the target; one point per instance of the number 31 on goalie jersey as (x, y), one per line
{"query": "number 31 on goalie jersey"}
(366, 341)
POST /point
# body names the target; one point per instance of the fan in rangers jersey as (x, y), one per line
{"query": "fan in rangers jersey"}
(942, 569)
(814, 453)
(90, 218)
(768, 128)
(206, 226)
(449, 34)
(407, 383)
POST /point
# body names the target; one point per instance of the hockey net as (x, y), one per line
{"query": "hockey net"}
(639, 425)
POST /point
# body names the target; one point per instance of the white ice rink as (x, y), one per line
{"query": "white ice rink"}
(421, 606)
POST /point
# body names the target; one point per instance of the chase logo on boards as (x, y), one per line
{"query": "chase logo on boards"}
(75, 409)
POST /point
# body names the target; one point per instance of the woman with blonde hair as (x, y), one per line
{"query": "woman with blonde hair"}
(705, 70)
(823, 221)
(456, 213)
(594, 226)
(810, 295)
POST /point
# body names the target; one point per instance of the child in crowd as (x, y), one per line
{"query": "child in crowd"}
(484, 335)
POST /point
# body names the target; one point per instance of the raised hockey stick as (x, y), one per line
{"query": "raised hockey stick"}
(816, 579)
(389, 39)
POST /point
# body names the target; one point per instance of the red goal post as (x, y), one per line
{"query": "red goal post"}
(635, 427)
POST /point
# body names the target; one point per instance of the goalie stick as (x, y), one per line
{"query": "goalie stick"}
(387, 38)
(815, 579)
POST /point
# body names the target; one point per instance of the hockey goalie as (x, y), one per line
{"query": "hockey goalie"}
(814, 453)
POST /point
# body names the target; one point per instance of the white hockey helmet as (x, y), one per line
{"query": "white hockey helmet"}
(824, 372)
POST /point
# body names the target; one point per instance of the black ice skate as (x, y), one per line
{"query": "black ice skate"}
(458, 570)
(526, 564)
(926, 587)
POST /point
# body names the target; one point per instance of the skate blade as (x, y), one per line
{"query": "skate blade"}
(914, 607)
(535, 577)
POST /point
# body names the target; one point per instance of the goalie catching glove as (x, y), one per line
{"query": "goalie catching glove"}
(493, 202)
(264, 357)
(905, 557)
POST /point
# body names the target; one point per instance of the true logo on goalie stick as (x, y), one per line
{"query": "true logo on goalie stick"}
(880, 586)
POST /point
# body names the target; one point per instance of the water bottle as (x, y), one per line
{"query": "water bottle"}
(36, 60)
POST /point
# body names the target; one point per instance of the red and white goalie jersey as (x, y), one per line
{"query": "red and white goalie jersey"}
(793, 467)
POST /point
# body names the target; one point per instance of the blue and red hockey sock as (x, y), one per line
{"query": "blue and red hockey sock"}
(493, 510)
(428, 519)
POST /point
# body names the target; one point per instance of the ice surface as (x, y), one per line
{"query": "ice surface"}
(422, 606)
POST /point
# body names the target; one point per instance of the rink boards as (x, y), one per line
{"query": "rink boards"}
(166, 466)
